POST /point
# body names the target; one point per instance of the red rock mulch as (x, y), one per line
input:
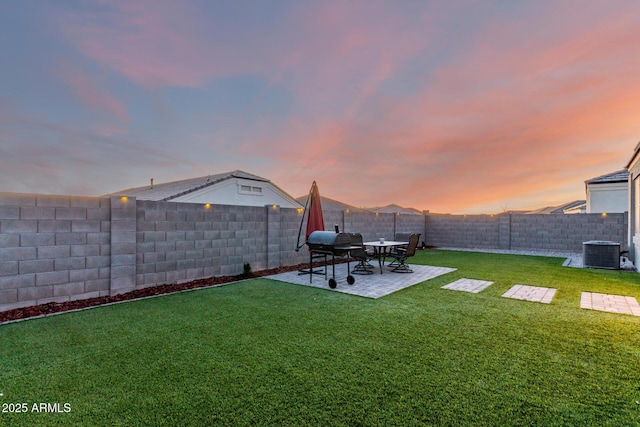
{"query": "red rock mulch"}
(50, 308)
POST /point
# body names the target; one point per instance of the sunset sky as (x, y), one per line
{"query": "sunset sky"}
(450, 106)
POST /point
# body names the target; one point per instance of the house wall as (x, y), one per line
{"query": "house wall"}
(61, 248)
(229, 192)
(634, 211)
(608, 197)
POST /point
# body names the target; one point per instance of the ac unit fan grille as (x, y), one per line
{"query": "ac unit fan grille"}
(601, 254)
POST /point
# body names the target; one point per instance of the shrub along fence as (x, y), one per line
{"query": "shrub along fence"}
(61, 248)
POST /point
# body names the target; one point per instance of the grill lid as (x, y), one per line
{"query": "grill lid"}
(328, 240)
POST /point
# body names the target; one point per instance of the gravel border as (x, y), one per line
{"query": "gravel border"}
(572, 259)
(44, 310)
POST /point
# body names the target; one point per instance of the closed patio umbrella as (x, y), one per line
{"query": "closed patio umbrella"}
(315, 220)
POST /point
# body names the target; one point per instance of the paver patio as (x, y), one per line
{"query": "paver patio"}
(611, 303)
(531, 293)
(371, 286)
(468, 285)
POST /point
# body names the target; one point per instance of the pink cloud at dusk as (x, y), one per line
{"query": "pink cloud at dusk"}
(146, 41)
(90, 91)
(518, 135)
(324, 46)
(452, 107)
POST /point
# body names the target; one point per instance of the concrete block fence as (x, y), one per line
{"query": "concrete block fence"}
(556, 232)
(566, 232)
(61, 248)
(463, 231)
(54, 248)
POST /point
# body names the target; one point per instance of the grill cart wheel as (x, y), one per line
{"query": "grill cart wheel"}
(333, 283)
(351, 280)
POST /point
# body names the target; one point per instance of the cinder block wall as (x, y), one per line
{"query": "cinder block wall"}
(463, 231)
(411, 224)
(334, 217)
(179, 242)
(53, 249)
(567, 232)
(289, 230)
(61, 248)
(370, 225)
(520, 231)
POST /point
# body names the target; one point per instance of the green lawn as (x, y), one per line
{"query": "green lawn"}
(262, 352)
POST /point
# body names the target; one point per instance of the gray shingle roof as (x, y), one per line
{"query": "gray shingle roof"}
(558, 209)
(393, 208)
(330, 204)
(617, 176)
(171, 190)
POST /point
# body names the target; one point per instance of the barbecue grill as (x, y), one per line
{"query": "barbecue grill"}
(334, 244)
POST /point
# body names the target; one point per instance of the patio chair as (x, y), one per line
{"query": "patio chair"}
(360, 255)
(403, 237)
(402, 249)
(400, 257)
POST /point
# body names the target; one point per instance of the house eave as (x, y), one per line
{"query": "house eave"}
(633, 160)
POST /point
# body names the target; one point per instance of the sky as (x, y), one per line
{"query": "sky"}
(447, 106)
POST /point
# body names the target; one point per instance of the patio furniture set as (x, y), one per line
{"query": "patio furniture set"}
(398, 250)
(351, 246)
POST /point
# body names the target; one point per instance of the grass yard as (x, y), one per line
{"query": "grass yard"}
(262, 352)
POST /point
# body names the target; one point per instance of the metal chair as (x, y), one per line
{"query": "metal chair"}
(403, 237)
(360, 255)
(400, 257)
(402, 249)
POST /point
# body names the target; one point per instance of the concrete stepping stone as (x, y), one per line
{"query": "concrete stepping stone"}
(611, 303)
(531, 293)
(468, 285)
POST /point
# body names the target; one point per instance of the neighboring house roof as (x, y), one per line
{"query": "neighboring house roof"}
(393, 208)
(513, 212)
(617, 176)
(577, 204)
(636, 151)
(331, 204)
(178, 189)
(575, 209)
